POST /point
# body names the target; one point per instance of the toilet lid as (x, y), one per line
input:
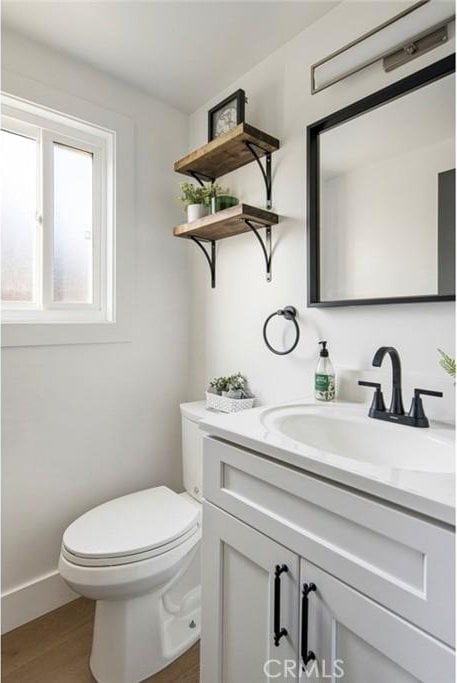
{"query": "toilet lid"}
(132, 524)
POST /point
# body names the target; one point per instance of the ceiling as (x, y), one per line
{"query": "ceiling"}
(181, 52)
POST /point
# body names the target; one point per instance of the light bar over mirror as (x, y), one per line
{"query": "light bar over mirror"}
(418, 29)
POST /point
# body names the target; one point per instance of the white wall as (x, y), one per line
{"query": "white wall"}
(227, 322)
(85, 423)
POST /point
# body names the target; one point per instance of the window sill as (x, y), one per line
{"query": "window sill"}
(54, 334)
(30, 316)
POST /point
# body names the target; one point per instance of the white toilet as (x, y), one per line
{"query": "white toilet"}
(139, 557)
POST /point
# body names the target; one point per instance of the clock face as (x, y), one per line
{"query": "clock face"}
(226, 115)
(225, 119)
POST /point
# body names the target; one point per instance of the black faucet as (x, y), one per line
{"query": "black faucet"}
(396, 404)
(396, 413)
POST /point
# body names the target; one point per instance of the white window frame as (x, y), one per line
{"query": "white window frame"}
(48, 128)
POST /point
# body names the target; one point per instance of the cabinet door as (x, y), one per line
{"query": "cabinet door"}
(350, 633)
(242, 603)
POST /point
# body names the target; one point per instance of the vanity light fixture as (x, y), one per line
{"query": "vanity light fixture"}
(407, 35)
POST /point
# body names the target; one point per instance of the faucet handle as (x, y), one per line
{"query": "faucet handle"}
(417, 409)
(427, 392)
(377, 404)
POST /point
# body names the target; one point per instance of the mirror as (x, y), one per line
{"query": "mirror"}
(381, 192)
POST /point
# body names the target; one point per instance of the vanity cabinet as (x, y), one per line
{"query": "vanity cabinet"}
(239, 600)
(383, 602)
(350, 632)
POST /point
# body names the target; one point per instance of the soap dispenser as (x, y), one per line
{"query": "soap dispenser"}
(324, 378)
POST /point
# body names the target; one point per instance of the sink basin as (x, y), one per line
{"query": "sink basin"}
(347, 431)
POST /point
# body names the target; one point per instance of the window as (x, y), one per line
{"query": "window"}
(57, 217)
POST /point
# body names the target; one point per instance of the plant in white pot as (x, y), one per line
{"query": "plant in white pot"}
(195, 200)
(198, 199)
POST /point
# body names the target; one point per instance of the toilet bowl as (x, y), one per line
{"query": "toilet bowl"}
(138, 556)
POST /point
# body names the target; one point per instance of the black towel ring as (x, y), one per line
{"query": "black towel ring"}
(289, 313)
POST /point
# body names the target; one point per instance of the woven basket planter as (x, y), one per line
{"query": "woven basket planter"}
(228, 405)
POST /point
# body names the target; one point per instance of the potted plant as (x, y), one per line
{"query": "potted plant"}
(236, 386)
(229, 394)
(195, 200)
(218, 385)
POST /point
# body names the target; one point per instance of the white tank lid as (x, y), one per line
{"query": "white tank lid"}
(194, 411)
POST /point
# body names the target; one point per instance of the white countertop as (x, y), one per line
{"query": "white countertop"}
(426, 492)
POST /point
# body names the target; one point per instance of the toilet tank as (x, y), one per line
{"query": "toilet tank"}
(192, 447)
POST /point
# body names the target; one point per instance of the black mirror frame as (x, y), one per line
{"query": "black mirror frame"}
(431, 73)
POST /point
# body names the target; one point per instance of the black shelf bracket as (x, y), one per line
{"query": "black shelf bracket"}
(266, 172)
(201, 178)
(210, 256)
(266, 246)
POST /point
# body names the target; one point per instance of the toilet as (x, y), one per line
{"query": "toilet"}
(138, 556)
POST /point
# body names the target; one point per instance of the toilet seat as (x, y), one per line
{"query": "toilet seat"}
(113, 560)
(131, 529)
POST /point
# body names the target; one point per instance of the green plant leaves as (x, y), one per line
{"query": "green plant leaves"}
(196, 194)
(447, 363)
(236, 382)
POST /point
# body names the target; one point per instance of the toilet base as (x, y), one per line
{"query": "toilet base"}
(128, 647)
(135, 638)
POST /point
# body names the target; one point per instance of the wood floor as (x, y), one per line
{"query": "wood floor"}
(55, 649)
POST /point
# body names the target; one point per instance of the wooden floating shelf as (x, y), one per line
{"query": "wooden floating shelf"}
(227, 223)
(227, 152)
(238, 147)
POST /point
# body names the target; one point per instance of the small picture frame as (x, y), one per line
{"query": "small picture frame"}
(226, 114)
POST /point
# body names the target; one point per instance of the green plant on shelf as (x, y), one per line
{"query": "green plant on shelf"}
(192, 194)
(199, 194)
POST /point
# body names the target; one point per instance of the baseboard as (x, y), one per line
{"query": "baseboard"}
(31, 600)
